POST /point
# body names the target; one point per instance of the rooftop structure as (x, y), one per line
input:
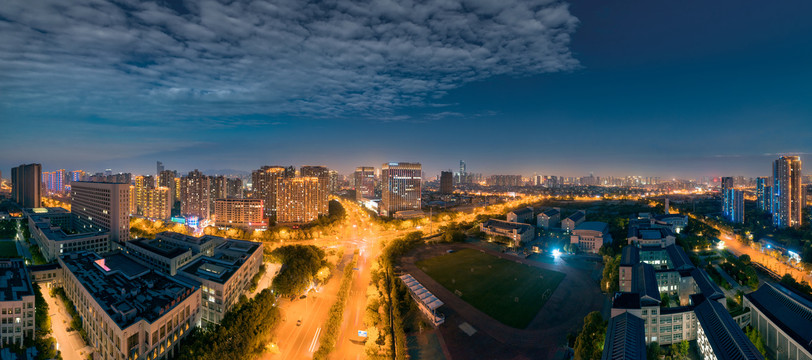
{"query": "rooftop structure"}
(427, 302)
(169, 251)
(624, 338)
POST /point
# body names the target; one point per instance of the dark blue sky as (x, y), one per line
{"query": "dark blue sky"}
(632, 87)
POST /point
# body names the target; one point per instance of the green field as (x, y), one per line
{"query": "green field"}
(8, 249)
(493, 285)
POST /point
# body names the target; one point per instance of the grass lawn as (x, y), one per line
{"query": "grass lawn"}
(493, 285)
(8, 249)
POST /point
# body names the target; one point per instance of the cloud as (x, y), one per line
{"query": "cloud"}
(133, 60)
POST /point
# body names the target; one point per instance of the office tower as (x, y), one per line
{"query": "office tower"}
(265, 182)
(364, 182)
(102, 206)
(160, 168)
(243, 213)
(26, 183)
(725, 187)
(234, 188)
(787, 195)
(446, 182)
(762, 183)
(401, 187)
(297, 200)
(195, 195)
(323, 174)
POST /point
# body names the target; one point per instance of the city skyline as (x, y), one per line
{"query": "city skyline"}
(700, 92)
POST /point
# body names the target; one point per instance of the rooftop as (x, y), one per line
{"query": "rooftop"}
(125, 290)
(789, 311)
(578, 215)
(630, 255)
(507, 225)
(551, 212)
(626, 300)
(227, 259)
(14, 280)
(523, 211)
(593, 226)
(159, 247)
(679, 259)
(625, 338)
(644, 282)
(725, 336)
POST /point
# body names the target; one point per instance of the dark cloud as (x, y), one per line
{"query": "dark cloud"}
(134, 60)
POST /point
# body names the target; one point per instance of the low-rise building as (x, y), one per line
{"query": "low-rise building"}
(589, 236)
(783, 318)
(54, 230)
(624, 338)
(519, 233)
(718, 337)
(16, 303)
(170, 251)
(523, 215)
(549, 218)
(128, 310)
(654, 236)
(573, 220)
(224, 275)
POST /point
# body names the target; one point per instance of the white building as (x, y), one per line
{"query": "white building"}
(102, 206)
(589, 236)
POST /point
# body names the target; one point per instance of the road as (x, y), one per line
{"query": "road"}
(738, 248)
(69, 343)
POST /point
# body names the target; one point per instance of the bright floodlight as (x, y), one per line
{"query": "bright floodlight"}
(556, 253)
(721, 245)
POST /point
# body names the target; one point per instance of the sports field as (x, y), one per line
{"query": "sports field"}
(510, 292)
(8, 249)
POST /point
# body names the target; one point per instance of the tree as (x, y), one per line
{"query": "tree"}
(611, 274)
(755, 338)
(654, 351)
(589, 344)
(745, 259)
(665, 300)
(680, 350)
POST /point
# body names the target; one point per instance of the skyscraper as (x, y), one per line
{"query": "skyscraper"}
(762, 195)
(446, 182)
(787, 195)
(26, 183)
(323, 174)
(160, 168)
(402, 184)
(195, 195)
(265, 182)
(298, 199)
(727, 201)
(364, 182)
(102, 206)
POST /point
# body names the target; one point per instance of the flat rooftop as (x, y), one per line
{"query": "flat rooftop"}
(227, 259)
(14, 280)
(159, 247)
(125, 290)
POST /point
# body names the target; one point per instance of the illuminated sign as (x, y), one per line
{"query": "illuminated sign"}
(180, 220)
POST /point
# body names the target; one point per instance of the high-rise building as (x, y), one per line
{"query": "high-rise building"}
(265, 182)
(55, 181)
(166, 179)
(446, 182)
(787, 195)
(195, 195)
(26, 185)
(219, 187)
(150, 201)
(401, 187)
(762, 184)
(242, 213)
(234, 188)
(735, 199)
(505, 180)
(297, 200)
(323, 174)
(160, 168)
(364, 182)
(102, 206)
(725, 186)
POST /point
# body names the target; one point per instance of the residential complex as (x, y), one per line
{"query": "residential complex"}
(787, 193)
(16, 303)
(195, 195)
(102, 207)
(241, 213)
(25, 185)
(323, 174)
(732, 201)
(265, 182)
(402, 186)
(298, 200)
(150, 201)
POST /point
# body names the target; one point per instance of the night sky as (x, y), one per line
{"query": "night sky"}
(657, 88)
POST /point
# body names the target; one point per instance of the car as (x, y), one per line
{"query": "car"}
(299, 322)
(449, 251)
(303, 296)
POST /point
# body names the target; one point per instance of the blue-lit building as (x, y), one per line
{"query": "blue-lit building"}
(787, 193)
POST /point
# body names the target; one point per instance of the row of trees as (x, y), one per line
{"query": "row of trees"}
(243, 334)
(8, 229)
(328, 339)
(300, 264)
(741, 270)
(76, 321)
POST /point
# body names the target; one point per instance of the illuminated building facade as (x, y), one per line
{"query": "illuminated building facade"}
(243, 213)
(297, 200)
(323, 174)
(195, 195)
(265, 183)
(25, 185)
(763, 193)
(102, 207)
(364, 182)
(401, 187)
(55, 181)
(787, 193)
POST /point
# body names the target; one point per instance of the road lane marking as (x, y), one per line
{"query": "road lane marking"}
(314, 343)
